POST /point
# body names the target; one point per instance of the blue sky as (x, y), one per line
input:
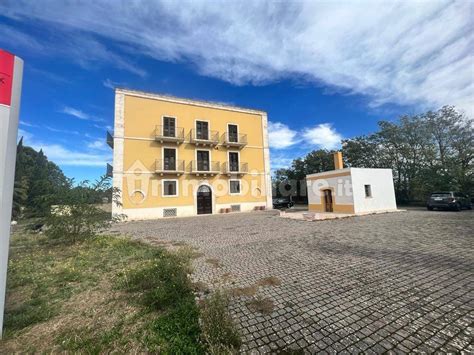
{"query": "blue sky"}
(323, 71)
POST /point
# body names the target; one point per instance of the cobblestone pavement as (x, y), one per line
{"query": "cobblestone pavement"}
(399, 281)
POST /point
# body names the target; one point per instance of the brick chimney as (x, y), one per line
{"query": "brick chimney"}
(338, 161)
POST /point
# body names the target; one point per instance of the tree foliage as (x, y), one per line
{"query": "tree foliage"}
(427, 152)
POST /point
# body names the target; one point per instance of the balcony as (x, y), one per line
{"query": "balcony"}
(167, 134)
(167, 167)
(234, 140)
(204, 138)
(110, 139)
(109, 171)
(236, 169)
(201, 167)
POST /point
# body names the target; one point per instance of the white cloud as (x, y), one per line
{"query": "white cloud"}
(65, 156)
(405, 52)
(280, 135)
(323, 135)
(98, 144)
(71, 111)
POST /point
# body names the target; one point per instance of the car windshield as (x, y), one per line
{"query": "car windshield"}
(441, 194)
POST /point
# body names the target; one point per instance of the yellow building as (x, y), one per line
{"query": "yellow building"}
(181, 157)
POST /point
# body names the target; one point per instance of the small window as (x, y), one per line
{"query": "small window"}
(170, 212)
(235, 186)
(368, 191)
(169, 188)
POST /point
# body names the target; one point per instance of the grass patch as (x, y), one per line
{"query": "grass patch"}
(105, 294)
(219, 333)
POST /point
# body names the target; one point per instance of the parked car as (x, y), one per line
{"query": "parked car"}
(449, 200)
(282, 202)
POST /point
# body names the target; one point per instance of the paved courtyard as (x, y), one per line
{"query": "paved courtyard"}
(399, 281)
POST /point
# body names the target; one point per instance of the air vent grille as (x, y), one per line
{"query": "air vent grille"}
(170, 212)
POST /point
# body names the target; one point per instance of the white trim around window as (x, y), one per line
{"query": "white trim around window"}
(175, 123)
(163, 156)
(163, 187)
(227, 130)
(228, 160)
(208, 127)
(240, 187)
(205, 150)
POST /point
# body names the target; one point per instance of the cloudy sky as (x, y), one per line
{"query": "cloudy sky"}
(322, 70)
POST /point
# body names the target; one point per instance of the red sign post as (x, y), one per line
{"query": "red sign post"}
(11, 73)
(7, 63)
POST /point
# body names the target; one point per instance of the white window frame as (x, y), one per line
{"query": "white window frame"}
(240, 187)
(175, 124)
(208, 128)
(163, 187)
(228, 160)
(210, 157)
(227, 131)
(163, 156)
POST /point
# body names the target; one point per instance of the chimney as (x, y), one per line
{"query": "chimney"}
(338, 161)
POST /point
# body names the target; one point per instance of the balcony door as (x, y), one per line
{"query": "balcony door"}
(169, 126)
(233, 161)
(203, 162)
(202, 130)
(169, 159)
(233, 132)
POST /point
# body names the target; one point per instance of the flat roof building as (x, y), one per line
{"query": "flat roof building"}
(182, 157)
(351, 190)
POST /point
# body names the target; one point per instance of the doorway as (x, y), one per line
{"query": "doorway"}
(328, 206)
(204, 200)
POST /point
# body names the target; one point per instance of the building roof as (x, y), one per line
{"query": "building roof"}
(169, 98)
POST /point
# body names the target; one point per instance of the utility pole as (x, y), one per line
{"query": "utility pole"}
(11, 73)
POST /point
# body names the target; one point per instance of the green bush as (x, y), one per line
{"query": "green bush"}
(77, 217)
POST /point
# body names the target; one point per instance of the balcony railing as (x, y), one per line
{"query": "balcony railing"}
(110, 139)
(234, 140)
(110, 171)
(238, 169)
(163, 167)
(204, 167)
(169, 134)
(204, 138)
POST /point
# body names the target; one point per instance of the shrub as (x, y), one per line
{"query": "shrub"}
(77, 217)
(218, 330)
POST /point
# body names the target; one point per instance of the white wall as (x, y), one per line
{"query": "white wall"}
(341, 184)
(383, 192)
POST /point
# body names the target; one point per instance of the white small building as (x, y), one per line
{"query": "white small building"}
(351, 190)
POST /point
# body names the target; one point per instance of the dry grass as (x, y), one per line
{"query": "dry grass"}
(252, 290)
(262, 305)
(214, 262)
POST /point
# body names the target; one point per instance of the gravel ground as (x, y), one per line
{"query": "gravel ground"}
(398, 281)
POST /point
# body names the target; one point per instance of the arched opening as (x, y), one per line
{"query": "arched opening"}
(204, 200)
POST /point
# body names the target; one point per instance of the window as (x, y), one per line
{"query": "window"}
(233, 161)
(368, 191)
(170, 187)
(169, 159)
(169, 127)
(233, 132)
(235, 186)
(202, 130)
(202, 160)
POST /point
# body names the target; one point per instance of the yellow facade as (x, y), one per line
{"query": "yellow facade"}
(139, 155)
